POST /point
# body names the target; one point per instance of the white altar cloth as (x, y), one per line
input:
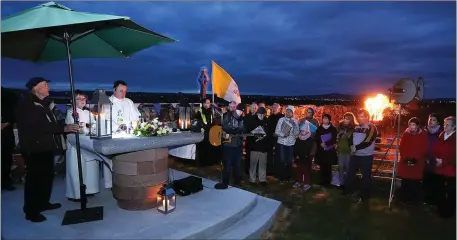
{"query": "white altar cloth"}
(88, 151)
(186, 152)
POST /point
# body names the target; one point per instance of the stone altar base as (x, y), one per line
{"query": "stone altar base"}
(138, 176)
(209, 214)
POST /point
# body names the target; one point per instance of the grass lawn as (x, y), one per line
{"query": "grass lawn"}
(322, 213)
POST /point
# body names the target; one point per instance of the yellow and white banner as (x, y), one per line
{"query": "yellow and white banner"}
(224, 85)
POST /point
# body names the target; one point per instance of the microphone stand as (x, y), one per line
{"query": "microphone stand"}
(220, 185)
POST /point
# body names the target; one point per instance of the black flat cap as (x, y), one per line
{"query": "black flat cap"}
(261, 110)
(34, 81)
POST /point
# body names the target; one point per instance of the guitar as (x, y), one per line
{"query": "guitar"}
(217, 136)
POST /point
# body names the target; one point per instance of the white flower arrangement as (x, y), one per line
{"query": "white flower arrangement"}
(153, 128)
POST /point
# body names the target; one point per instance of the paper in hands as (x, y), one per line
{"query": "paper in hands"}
(326, 138)
(259, 131)
(308, 126)
(285, 128)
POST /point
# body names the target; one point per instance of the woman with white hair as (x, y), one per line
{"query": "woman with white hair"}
(287, 130)
(445, 168)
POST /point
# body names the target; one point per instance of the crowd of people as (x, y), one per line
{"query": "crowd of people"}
(427, 166)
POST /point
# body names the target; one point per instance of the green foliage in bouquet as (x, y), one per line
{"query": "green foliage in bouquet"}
(153, 128)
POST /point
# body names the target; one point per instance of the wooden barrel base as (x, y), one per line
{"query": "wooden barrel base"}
(138, 176)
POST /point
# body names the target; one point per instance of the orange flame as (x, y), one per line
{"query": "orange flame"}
(376, 106)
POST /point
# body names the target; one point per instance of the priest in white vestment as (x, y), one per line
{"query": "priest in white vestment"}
(124, 113)
(90, 167)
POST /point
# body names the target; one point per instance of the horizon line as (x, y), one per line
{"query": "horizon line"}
(247, 94)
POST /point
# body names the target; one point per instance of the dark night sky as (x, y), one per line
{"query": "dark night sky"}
(270, 48)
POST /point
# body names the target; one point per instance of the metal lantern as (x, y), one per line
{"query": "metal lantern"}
(184, 113)
(166, 200)
(102, 127)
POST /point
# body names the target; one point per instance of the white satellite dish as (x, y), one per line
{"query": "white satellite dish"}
(404, 91)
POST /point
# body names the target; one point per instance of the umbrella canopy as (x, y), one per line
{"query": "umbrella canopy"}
(38, 35)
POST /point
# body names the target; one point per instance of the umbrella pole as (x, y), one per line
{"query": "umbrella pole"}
(83, 214)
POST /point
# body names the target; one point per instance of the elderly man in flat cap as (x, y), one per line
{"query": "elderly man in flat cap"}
(39, 138)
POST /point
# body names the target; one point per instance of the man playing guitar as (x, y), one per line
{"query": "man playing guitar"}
(232, 124)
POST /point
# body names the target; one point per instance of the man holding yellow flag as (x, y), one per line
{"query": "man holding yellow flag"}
(224, 85)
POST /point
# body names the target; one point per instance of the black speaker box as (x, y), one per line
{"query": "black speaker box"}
(188, 185)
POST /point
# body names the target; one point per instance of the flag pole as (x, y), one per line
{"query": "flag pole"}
(212, 81)
(220, 185)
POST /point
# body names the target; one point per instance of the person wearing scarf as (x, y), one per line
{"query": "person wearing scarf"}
(345, 130)
(413, 150)
(445, 168)
(326, 153)
(433, 131)
(287, 130)
(303, 156)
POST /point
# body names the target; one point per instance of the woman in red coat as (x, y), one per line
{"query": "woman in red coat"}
(444, 152)
(413, 150)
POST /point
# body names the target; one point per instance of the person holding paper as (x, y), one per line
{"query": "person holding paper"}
(315, 123)
(445, 161)
(287, 130)
(90, 167)
(343, 149)
(302, 153)
(259, 148)
(362, 150)
(326, 152)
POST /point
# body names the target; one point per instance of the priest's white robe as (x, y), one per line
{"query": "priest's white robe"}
(89, 164)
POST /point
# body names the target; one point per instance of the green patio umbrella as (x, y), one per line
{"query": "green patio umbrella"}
(53, 32)
(40, 34)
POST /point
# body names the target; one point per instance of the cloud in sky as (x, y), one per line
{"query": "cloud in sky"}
(271, 48)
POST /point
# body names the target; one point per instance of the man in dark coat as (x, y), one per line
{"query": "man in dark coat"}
(272, 121)
(250, 119)
(8, 143)
(39, 140)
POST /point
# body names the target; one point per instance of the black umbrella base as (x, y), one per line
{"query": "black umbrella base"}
(220, 186)
(81, 216)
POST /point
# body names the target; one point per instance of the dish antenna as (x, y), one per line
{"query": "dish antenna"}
(403, 92)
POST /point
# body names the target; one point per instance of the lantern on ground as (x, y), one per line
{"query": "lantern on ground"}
(166, 200)
(102, 111)
(184, 113)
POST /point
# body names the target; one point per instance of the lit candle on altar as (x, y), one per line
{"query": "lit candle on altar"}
(187, 124)
(167, 204)
(102, 124)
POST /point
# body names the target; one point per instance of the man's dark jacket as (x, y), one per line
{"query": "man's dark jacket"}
(260, 145)
(37, 126)
(273, 120)
(231, 125)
